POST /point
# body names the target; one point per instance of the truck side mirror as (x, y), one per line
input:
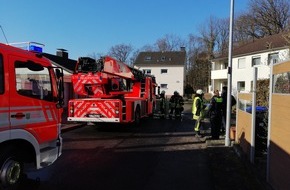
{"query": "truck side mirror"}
(60, 86)
(60, 97)
(58, 73)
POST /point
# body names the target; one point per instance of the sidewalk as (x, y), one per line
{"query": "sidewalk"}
(230, 168)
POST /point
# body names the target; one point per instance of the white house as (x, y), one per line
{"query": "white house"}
(259, 53)
(167, 67)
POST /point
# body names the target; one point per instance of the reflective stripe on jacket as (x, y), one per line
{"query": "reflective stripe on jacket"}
(215, 108)
(218, 99)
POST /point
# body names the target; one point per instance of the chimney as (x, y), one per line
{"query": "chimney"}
(62, 53)
(182, 48)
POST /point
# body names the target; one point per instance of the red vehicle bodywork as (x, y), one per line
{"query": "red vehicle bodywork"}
(111, 91)
(30, 113)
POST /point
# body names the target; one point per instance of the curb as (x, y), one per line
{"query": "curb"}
(215, 143)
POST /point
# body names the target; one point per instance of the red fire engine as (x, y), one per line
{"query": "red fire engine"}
(31, 94)
(112, 92)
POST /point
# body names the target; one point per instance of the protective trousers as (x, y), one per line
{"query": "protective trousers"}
(216, 123)
(198, 121)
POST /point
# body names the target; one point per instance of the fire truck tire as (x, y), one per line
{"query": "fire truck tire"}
(11, 168)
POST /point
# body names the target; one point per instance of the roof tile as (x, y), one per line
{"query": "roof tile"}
(161, 58)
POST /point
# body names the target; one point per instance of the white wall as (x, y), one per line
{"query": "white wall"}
(246, 73)
(174, 78)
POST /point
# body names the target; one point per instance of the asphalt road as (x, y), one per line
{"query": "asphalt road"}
(159, 154)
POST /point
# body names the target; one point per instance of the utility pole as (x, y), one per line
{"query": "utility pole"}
(254, 102)
(229, 106)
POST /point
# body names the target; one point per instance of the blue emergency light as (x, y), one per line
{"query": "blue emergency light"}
(35, 48)
(29, 46)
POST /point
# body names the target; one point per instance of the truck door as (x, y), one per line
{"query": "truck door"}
(33, 106)
(4, 103)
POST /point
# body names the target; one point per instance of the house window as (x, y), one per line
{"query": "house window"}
(163, 86)
(163, 58)
(256, 61)
(147, 71)
(281, 83)
(241, 63)
(163, 71)
(148, 58)
(273, 58)
(241, 86)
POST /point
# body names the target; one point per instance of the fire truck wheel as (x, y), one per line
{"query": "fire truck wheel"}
(11, 168)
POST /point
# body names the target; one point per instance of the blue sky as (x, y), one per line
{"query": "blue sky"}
(84, 27)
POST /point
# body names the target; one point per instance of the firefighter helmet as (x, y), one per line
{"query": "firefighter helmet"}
(199, 91)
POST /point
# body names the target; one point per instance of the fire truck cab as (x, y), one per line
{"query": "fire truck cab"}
(111, 92)
(31, 99)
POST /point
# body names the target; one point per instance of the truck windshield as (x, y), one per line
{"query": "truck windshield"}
(35, 83)
(89, 65)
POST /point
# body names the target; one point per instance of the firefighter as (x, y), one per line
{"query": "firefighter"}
(198, 111)
(176, 104)
(224, 107)
(162, 104)
(215, 114)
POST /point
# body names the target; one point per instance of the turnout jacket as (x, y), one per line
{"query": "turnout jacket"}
(197, 108)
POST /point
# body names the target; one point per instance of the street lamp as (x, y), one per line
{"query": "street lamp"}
(228, 121)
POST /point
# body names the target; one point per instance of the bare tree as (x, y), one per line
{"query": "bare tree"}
(222, 39)
(169, 43)
(134, 56)
(198, 74)
(209, 34)
(245, 28)
(121, 52)
(270, 16)
(147, 48)
(197, 71)
(193, 48)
